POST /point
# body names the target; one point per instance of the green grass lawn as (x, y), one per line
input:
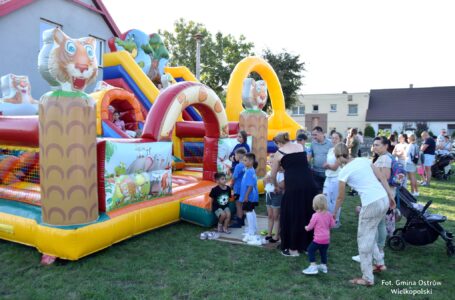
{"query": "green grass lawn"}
(172, 263)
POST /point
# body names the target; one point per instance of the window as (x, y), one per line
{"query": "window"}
(45, 25)
(99, 50)
(450, 129)
(333, 107)
(385, 127)
(349, 97)
(352, 110)
(315, 108)
(298, 110)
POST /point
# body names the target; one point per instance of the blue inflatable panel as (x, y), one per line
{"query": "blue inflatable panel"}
(271, 147)
(115, 72)
(193, 149)
(140, 125)
(179, 79)
(193, 113)
(109, 132)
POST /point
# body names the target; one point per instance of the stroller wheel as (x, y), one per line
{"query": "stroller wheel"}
(398, 231)
(450, 249)
(396, 243)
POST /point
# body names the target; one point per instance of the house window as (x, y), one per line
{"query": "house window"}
(315, 108)
(349, 97)
(450, 129)
(352, 109)
(298, 110)
(333, 107)
(385, 127)
(45, 25)
(99, 50)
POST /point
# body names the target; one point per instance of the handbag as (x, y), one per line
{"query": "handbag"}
(415, 156)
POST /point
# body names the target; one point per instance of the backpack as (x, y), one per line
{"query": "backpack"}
(397, 172)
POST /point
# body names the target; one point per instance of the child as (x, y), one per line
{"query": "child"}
(249, 198)
(241, 138)
(121, 124)
(220, 195)
(273, 201)
(237, 176)
(321, 222)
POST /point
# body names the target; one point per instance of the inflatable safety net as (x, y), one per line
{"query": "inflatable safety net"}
(19, 174)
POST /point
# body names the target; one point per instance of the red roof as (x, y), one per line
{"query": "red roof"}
(8, 6)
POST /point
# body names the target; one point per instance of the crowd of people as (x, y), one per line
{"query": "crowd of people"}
(307, 185)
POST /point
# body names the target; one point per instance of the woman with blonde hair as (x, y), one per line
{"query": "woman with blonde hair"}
(297, 201)
(376, 198)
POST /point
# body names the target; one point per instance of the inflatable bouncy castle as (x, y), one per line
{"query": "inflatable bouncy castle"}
(73, 183)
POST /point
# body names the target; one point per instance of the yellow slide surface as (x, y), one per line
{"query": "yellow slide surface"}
(279, 121)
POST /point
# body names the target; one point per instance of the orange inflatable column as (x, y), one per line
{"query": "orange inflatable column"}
(67, 130)
(67, 138)
(255, 123)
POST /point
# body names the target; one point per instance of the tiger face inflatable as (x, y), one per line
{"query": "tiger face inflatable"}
(16, 89)
(66, 62)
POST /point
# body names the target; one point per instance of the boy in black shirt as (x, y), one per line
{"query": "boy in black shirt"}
(220, 196)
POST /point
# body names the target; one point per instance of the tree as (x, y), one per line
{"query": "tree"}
(219, 53)
(289, 69)
(369, 131)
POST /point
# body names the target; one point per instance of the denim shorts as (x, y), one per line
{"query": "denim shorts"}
(273, 199)
(410, 167)
(428, 160)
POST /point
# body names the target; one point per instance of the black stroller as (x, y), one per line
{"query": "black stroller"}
(442, 168)
(421, 228)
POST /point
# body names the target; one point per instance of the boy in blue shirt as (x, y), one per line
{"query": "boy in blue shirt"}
(249, 198)
(237, 176)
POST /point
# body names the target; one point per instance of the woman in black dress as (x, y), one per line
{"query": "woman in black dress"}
(297, 203)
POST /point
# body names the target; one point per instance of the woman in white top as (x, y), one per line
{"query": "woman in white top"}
(376, 198)
(332, 168)
(400, 151)
(412, 156)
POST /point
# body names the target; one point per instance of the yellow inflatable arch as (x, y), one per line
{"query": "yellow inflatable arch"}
(279, 121)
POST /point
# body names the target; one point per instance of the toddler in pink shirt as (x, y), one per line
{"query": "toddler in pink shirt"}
(321, 222)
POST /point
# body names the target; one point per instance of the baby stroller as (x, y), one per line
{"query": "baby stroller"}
(421, 228)
(442, 168)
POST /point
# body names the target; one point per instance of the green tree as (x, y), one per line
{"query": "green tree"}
(289, 69)
(219, 53)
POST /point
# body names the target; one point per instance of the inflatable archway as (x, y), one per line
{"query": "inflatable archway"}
(279, 121)
(168, 106)
(122, 101)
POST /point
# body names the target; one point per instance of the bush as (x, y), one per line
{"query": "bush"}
(369, 131)
(453, 134)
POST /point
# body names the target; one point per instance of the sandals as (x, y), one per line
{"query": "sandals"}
(379, 268)
(361, 281)
(272, 240)
(268, 237)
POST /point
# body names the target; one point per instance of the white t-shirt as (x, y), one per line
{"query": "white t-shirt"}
(360, 176)
(331, 159)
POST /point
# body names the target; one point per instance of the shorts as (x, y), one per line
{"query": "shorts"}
(410, 167)
(273, 200)
(428, 160)
(249, 206)
(219, 211)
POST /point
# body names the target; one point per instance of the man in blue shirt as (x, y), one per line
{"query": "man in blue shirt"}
(319, 148)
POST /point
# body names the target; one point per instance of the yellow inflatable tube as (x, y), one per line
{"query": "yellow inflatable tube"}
(279, 121)
(73, 244)
(182, 72)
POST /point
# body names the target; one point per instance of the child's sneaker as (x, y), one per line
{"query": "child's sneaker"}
(247, 238)
(311, 270)
(356, 258)
(254, 241)
(203, 236)
(323, 268)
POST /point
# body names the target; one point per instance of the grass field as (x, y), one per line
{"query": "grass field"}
(172, 263)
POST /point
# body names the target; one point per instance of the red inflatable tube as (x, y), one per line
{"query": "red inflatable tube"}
(19, 131)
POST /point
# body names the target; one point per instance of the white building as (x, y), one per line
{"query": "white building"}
(332, 111)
